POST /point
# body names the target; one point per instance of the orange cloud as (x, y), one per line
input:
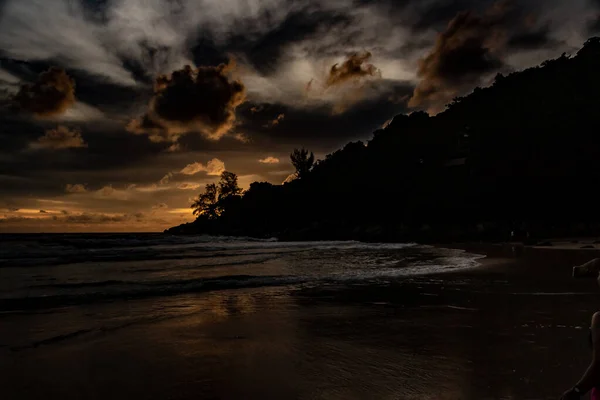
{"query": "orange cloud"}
(76, 188)
(345, 84)
(192, 100)
(269, 160)
(242, 137)
(214, 167)
(354, 68)
(165, 179)
(188, 186)
(290, 178)
(60, 138)
(275, 121)
(52, 94)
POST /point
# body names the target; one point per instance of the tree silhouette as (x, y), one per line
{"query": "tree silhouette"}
(302, 161)
(206, 203)
(217, 197)
(228, 185)
(521, 152)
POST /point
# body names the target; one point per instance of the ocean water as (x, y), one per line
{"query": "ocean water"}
(154, 317)
(48, 271)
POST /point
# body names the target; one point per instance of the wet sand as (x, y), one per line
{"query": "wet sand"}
(514, 328)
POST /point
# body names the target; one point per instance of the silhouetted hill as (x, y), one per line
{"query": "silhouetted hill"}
(524, 152)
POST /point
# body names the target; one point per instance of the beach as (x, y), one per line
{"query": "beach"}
(512, 326)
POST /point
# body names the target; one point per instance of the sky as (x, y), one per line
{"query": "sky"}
(114, 114)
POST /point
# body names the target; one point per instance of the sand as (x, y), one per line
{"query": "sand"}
(514, 328)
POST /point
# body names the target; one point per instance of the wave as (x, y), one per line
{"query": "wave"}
(215, 263)
(110, 240)
(112, 290)
(200, 247)
(138, 290)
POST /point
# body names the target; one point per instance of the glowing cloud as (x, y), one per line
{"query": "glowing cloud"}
(275, 121)
(188, 186)
(269, 160)
(60, 138)
(214, 167)
(355, 68)
(192, 100)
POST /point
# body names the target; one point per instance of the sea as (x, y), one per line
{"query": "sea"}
(48, 271)
(154, 317)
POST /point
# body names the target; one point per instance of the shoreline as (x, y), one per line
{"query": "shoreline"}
(535, 270)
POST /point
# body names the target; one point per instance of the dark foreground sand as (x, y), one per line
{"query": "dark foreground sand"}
(513, 329)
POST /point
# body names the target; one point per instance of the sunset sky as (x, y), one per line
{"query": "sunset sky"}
(104, 128)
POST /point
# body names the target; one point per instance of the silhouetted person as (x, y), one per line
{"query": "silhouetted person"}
(590, 381)
(591, 378)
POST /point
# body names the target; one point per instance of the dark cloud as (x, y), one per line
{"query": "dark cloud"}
(16, 132)
(9, 220)
(231, 143)
(24, 70)
(538, 38)
(200, 100)
(145, 125)
(91, 89)
(111, 98)
(265, 51)
(354, 68)
(421, 16)
(317, 128)
(593, 25)
(96, 218)
(475, 44)
(471, 47)
(415, 45)
(60, 137)
(95, 10)
(439, 13)
(297, 26)
(160, 206)
(67, 220)
(112, 156)
(52, 94)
